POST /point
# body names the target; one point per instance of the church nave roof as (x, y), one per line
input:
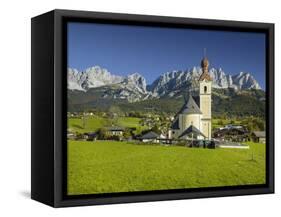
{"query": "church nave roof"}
(190, 107)
(192, 129)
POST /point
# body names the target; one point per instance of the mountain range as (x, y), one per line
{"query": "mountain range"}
(96, 88)
(135, 88)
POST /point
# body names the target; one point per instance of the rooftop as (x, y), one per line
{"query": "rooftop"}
(260, 134)
(150, 135)
(192, 129)
(115, 128)
(175, 124)
(190, 107)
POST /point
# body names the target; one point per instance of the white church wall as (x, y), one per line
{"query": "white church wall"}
(205, 90)
(205, 98)
(191, 119)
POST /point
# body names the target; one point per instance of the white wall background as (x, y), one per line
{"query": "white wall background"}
(15, 106)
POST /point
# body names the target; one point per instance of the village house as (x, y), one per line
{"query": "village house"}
(233, 134)
(231, 126)
(259, 136)
(150, 137)
(153, 137)
(71, 135)
(90, 136)
(114, 131)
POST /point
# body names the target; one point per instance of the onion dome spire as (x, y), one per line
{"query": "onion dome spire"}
(205, 68)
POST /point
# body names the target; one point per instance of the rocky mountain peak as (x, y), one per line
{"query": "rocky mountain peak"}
(136, 81)
(134, 87)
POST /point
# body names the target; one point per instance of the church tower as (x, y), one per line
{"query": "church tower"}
(205, 94)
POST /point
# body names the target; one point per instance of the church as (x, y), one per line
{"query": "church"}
(194, 121)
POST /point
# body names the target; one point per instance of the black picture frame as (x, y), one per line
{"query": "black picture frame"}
(49, 106)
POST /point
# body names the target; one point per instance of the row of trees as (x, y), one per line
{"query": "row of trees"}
(254, 124)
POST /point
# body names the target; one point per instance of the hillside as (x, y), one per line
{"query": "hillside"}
(225, 102)
(97, 89)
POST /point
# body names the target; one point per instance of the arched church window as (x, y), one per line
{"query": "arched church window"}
(205, 89)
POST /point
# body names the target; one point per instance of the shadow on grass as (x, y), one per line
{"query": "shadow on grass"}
(77, 126)
(252, 160)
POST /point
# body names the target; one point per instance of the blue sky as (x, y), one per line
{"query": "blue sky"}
(152, 51)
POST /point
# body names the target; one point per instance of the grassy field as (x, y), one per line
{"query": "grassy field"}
(108, 166)
(131, 122)
(92, 124)
(95, 122)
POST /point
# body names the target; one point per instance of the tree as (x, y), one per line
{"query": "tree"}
(84, 121)
(114, 113)
(220, 122)
(102, 133)
(114, 109)
(127, 133)
(254, 124)
(156, 129)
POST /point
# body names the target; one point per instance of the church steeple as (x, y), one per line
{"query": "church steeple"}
(205, 68)
(205, 94)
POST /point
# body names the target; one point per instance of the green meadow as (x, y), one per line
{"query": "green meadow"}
(91, 124)
(95, 122)
(111, 166)
(216, 122)
(131, 122)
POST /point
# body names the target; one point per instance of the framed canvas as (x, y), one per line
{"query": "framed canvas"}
(134, 108)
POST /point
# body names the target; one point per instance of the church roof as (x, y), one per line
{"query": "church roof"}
(205, 62)
(190, 107)
(150, 135)
(175, 124)
(205, 75)
(192, 129)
